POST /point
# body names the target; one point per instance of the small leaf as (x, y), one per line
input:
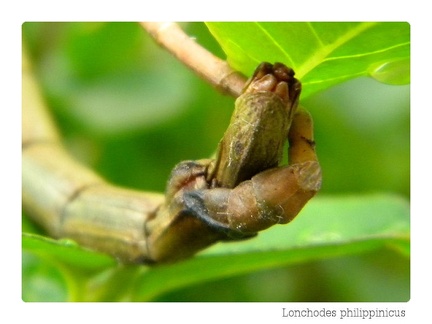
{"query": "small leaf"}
(322, 54)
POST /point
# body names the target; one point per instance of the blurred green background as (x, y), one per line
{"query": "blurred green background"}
(129, 110)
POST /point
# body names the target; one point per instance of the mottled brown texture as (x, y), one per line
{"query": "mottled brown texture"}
(259, 126)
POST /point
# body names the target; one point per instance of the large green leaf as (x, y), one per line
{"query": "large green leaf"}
(327, 227)
(322, 54)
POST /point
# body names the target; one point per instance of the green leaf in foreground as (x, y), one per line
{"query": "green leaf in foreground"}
(58, 270)
(327, 227)
(322, 54)
(65, 251)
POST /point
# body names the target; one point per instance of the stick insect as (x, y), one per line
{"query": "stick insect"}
(240, 192)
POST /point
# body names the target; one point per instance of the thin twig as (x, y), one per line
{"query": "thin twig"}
(211, 68)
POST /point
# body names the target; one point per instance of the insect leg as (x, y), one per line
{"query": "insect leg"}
(273, 196)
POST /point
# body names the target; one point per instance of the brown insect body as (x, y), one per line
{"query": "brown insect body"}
(249, 138)
(233, 197)
(243, 191)
(259, 126)
(274, 196)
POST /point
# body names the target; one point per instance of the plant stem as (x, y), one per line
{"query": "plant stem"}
(209, 67)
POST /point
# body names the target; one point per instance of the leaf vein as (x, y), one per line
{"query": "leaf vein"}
(314, 32)
(276, 43)
(325, 51)
(383, 50)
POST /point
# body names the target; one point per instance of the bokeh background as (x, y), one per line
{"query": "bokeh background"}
(129, 110)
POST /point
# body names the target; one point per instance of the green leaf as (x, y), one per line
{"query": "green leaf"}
(65, 251)
(395, 71)
(42, 281)
(327, 227)
(59, 270)
(322, 54)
